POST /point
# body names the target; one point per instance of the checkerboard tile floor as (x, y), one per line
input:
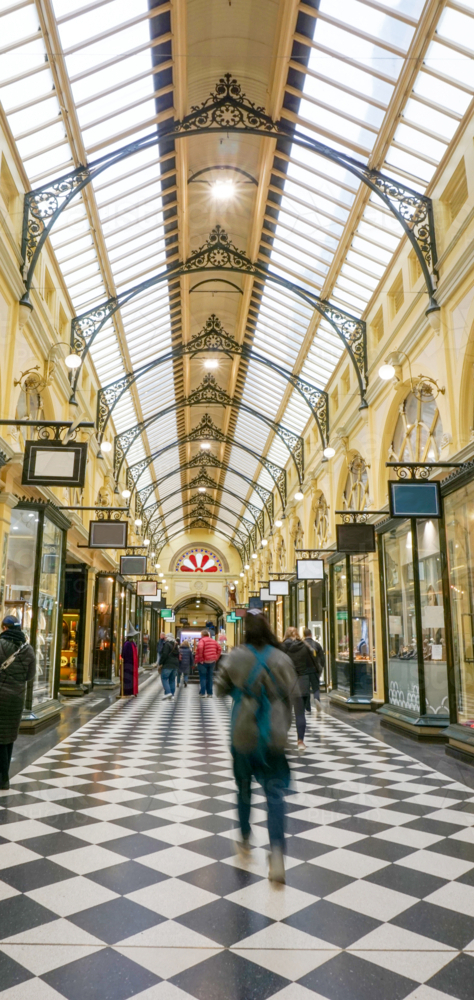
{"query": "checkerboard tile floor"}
(118, 876)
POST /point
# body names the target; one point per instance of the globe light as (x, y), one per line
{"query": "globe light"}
(246, 566)
(72, 361)
(126, 494)
(254, 555)
(278, 524)
(106, 447)
(146, 541)
(386, 372)
(329, 452)
(299, 496)
(242, 574)
(264, 542)
(161, 574)
(138, 522)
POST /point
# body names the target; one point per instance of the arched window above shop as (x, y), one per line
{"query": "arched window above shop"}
(356, 490)
(418, 432)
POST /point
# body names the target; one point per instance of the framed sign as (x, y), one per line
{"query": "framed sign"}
(52, 463)
(147, 588)
(256, 602)
(310, 569)
(133, 565)
(355, 538)
(265, 595)
(108, 534)
(158, 602)
(168, 613)
(279, 588)
(415, 498)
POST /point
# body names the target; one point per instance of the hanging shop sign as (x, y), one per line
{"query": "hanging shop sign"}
(133, 565)
(256, 602)
(168, 613)
(108, 534)
(158, 602)
(279, 588)
(310, 569)
(355, 538)
(147, 588)
(52, 463)
(266, 596)
(410, 498)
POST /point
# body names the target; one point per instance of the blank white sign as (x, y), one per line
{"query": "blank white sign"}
(54, 464)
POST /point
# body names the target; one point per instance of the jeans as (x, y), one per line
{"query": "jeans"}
(168, 679)
(183, 674)
(301, 703)
(6, 750)
(275, 779)
(206, 674)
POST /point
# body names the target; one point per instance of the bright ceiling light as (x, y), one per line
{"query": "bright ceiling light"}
(157, 565)
(231, 586)
(126, 494)
(264, 542)
(106, 446)
(236, 581)
(72, 361)
(162, 574)
(242, 574)
(211, 363)
(246, 566)
(146, 541)
(223, 190)
(205, 446)
(254, 555)
(299, 496)
(138, 522)
(329, 452)
(201, 489)
(386, 372)
(278, 524)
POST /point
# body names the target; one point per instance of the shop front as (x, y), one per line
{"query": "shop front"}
(34, 592)
(415, 593)
(352, 649)
(317, 619)
(71, 673)
(115, 605)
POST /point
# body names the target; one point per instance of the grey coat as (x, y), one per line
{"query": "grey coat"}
(13, 683)
(234, 672)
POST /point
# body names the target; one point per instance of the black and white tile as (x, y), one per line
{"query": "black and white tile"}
(119, 877)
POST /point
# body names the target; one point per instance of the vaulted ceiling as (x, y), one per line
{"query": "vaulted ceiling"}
(384, 81)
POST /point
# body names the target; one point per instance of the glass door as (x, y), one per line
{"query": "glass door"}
(342, 638)
(403, 680)
(459, 517)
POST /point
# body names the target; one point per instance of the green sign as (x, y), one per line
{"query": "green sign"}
(231, 617)
(341, 616)
(167, 613)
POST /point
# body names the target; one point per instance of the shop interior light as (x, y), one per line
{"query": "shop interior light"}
(126, 494)
(386, 372)
(72, 361)
(329, 452)
(299, 496)
(106, 447)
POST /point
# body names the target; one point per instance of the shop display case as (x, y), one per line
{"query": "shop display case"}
(352, 643)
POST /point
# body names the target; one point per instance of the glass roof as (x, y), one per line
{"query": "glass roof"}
(78, 80)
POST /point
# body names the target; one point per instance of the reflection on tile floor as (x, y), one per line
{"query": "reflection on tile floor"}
(119, 879)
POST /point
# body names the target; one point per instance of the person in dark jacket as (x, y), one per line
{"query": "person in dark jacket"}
(186, 661)
(319, 666)
(161, 643)
(14, 676)
(129, 656)
(253, 673)
(303, 662)
(169, 665)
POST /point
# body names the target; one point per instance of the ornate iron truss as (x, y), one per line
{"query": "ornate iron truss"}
(200, 504)
(201, 515)
(213, 338)
(203, 479)
(252, 527)
(208, 392)
(218, 253)
(228, 110)
(205, 430)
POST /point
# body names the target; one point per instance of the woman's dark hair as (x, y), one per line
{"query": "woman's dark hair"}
(258, 632)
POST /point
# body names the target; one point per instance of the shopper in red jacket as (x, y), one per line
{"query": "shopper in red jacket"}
(207, 654)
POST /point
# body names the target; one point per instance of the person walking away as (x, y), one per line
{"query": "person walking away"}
(17, 667)
(319, 666)
(303, 662)
(186, 662)
(260, 678)
(161, 643)
(129, 656)
(208, 653)
(169, 664)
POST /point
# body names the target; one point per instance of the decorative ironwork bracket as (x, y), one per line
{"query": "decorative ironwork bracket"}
(358, 516)
(209, 391)
(420, 470)
(228, 110)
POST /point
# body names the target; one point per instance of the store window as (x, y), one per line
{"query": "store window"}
(403, 682)
(362, 625)
(104, 607)
(48, 611)
(418, 432)
(459, 518)
(20, 572)
(341, 680)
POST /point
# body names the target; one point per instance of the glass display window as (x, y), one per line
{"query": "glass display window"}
(352, 629)
(433, 633)
(20, 570)
(341, 653)
(459, 519)
(47, 637)
(102, 664)
(362, 625)
(403, 680)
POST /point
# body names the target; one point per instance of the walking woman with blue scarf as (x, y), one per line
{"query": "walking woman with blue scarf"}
(260, 678)
(17, 667)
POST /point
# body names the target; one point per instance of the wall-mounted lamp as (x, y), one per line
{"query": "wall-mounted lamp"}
(423, 387)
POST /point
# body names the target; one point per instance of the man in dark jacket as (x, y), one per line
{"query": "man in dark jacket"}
(319, 666)
(17, 667)
(303, 661)
(169, 664)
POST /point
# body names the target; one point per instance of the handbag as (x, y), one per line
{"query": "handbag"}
(6, 663)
